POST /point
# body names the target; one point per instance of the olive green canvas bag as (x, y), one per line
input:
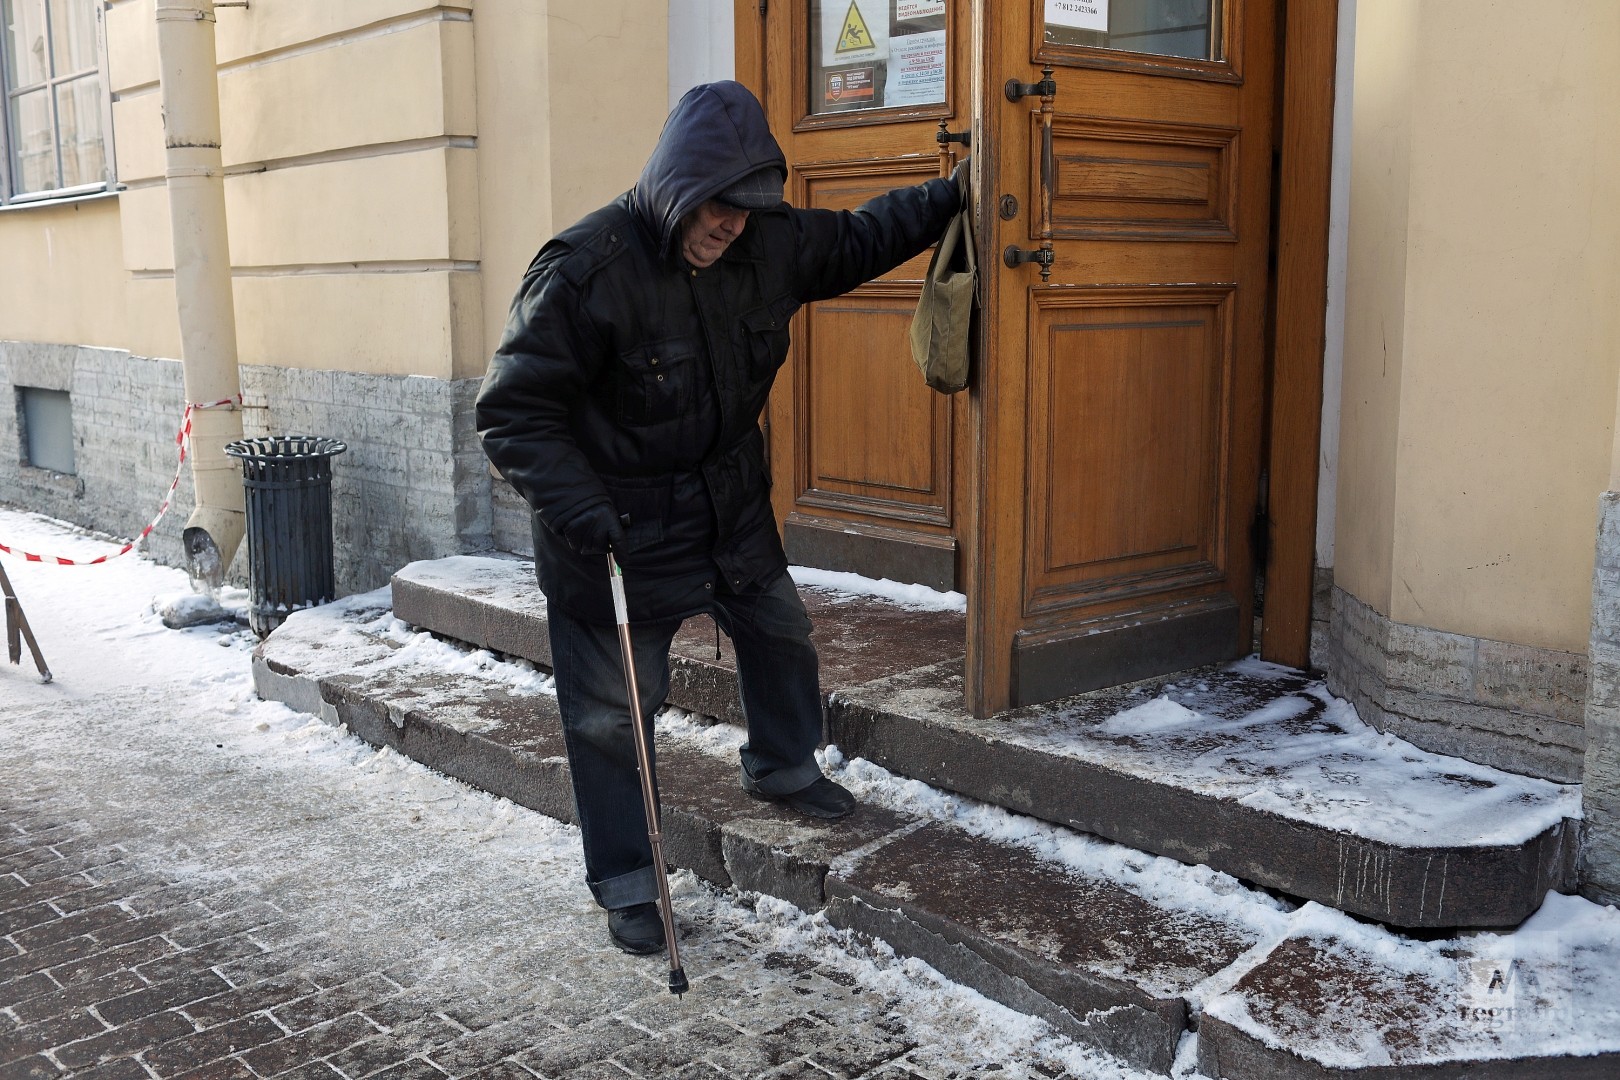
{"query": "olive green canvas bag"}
(939, 329)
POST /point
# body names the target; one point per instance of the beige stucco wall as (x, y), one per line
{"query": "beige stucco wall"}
(1481, 353)
(392, 167)
(349, 133)
(61, 274)
(1375, 297)
(571, 99)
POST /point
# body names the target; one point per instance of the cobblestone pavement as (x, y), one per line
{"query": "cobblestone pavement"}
(222, 888)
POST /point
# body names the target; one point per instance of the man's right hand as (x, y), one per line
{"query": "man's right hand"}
(962, 175)
(594, 530)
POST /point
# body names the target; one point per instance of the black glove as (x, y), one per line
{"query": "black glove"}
(594, 530)
(962, 175)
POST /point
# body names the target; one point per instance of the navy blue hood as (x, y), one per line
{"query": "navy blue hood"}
(714, 136)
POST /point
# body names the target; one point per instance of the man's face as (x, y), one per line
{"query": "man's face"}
(709, 230)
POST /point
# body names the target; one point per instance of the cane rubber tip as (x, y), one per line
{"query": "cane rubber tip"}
(677, 982)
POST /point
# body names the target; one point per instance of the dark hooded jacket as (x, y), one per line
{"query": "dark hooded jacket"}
(625, 376)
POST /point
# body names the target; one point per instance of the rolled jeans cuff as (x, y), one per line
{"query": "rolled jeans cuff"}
(787, 781)
(627, 890)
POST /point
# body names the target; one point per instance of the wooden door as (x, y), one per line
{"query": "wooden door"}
(1117, 406)
(863, 455)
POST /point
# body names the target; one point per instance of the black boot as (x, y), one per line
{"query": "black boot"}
(822, 799)
(637, 929)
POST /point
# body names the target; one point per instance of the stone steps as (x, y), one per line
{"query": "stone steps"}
(1358, 821)
(1112, 947)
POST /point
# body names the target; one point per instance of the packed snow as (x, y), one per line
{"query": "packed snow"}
(912, 597)
(1549, 989)
(1308, 756)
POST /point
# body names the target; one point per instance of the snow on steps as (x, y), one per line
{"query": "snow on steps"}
(1250, 769)
(1113, 947)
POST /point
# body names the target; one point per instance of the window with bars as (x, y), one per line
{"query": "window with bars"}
(56, 136)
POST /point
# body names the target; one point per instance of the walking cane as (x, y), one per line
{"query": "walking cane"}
(649, 797)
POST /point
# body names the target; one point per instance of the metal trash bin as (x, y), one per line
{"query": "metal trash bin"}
(288, 481)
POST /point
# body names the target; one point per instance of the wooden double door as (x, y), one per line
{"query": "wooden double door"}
(1094, 491)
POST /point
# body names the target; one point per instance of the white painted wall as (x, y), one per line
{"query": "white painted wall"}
(1338, 256)
(701, 47)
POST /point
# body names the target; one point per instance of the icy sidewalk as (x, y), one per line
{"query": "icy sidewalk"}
(1112, 946)
(153, 748)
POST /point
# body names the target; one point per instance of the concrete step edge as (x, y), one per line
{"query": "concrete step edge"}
(494, 604)
(753, 854)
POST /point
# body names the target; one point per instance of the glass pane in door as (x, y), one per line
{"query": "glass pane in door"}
(1185, 28)
(876, 54)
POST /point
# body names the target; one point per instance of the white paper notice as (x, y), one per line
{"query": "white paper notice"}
(917, 9)
(1079, 14)
(916, 70)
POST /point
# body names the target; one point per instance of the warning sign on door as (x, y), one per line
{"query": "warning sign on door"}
(877, 54)
(855, 37)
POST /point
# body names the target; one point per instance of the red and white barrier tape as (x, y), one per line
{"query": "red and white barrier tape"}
(182, 439)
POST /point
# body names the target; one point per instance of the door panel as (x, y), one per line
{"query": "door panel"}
(874, 439)
(1117, 410)
(863, 454)
(1124, 393)
(1140, 179)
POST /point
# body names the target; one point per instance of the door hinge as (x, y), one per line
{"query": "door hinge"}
(763, 4)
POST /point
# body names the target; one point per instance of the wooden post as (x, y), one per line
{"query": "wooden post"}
(18, 630)
(1310, 44)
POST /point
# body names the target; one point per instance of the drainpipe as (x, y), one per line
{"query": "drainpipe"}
(202, 279)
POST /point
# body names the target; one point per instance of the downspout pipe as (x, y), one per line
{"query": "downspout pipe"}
(202, 280)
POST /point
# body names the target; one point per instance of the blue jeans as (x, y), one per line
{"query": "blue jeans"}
(781, 700)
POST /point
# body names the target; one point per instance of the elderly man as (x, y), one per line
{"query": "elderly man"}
(623, 405)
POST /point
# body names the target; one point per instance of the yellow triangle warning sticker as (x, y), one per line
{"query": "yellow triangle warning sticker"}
(854, 37)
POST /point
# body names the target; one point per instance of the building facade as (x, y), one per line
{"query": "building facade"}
(392, 165)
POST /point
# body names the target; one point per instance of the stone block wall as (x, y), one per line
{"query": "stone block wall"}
(1600, 789)
(511, 528)
(1321, 616)
(413, 484)
(126, 412)
(1516, 707)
